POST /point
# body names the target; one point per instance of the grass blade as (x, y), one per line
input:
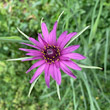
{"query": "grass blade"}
(106, 52)
(95, 25)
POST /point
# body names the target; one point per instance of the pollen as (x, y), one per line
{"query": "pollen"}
(53, 46)
(58, 59)
(49, 63)
(44, 47)
(53, 61)
(53, 56)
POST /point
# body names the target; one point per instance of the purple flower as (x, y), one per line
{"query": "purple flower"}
(52, 55)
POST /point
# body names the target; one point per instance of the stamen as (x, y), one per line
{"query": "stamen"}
(49, 62)
(53, 56)
(49, 45)
(58, 59)
(44, 47)
(53, 61)
(53, 46)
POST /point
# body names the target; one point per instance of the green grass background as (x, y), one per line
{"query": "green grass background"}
(91, 89)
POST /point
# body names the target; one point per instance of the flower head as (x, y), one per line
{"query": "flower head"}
(52, 54)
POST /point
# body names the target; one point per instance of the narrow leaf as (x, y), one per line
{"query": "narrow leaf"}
(6, 39)
(23, 33)
(17, 59)
(58, 91)
(60, 16)
(32, 85)
(77, 35)
(91, 67)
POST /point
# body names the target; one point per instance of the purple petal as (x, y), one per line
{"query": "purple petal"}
(34, 54)
(38, 72)
(41, 40)
(39, 45)
(28, 50)
(57, 64)
(67, 38)
(64, 58)
(51, 71)
(66, 70)
(35, 65)
(75, 56)
(34, 58)
(30, 45)
(45, 31)
(70, 49)
(47, 75)
(60, 39)
(57, 74)
(52, 35)
(72, 65)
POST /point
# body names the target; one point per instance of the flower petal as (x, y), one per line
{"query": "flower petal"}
(41, 40)
(38, 72)
(60, 39)
(72, 65)
(34, 58)
(52, 35)
(70, 49)
(34, 53)
(45, 31)
(51, 71)
(57, 74)
(30, 45)
(64, 58)
(35, 65)
(47, 75)
(67, 38)
(28, 50)
(39, 45)
(57, 64)
(75, 56)
(67, 70)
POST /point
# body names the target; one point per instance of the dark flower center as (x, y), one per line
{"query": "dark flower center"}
(50, 51)
(51, 54)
